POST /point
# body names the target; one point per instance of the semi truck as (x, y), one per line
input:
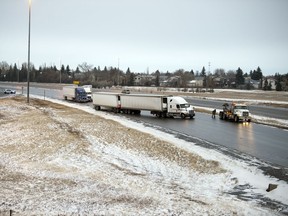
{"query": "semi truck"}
(158, 105)
(88, 90)
(235, 112)
(74, 93)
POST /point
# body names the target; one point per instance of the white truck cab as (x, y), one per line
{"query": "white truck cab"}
(240, 112)
(178, 106)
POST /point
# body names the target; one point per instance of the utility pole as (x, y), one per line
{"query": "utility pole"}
(118, 73)
(28, 69)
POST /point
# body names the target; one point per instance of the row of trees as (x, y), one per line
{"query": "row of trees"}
(87, 74)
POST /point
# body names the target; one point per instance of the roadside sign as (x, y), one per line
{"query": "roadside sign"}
(75, 82)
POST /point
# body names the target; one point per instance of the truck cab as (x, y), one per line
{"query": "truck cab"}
(240, 112)
(178, 106)
(80, 95)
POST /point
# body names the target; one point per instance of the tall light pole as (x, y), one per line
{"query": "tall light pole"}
(118, 74)
(28, 69)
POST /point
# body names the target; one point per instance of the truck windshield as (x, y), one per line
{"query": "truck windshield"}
(240, 107)
(81, 92)
(184, 105)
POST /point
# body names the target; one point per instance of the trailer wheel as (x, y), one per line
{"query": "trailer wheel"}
(236, 119)
(183, 116)
(97, 107)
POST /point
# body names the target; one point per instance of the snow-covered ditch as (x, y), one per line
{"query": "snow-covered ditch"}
(57, 160)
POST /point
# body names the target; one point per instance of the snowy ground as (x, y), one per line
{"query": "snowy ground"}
(56, 159)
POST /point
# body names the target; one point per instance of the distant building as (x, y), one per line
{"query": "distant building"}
(144, 79)
(270, 80)
(173, 81)
(253, 83)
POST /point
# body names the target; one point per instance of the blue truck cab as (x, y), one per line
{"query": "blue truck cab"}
(80, 95)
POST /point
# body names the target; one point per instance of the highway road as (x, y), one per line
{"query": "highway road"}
(266, 143)
(250, 142)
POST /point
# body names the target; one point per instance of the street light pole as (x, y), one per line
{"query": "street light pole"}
(28, 69)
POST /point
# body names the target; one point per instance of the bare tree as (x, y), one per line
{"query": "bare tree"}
(219, 72)
(85, 67)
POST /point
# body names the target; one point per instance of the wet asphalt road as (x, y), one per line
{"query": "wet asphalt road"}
(266, 143)
(269, 144)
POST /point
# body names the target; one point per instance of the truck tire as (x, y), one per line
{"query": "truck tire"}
(183, 116)
(236, 119)
(97, 108)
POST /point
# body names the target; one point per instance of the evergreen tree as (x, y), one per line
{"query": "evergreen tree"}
(16, 73)
(127, 77)
(23, 72)
(265, 87)
(77, 70)
(157, 81)
(278, 82)
(131, 79)
(10, 74)
(257, 74)
(239, 77)
(270, 86)
(62, 69)
(203, 72)
(68, 71)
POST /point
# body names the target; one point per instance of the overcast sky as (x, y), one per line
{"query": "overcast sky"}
(148, 34)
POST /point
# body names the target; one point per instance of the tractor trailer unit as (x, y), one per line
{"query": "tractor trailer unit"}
(74, 93)
(159, 105)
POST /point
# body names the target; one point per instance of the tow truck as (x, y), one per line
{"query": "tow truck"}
(235, 112)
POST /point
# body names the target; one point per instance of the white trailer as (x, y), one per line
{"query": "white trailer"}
(159, 105)
(106, 100)
(136, 102)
